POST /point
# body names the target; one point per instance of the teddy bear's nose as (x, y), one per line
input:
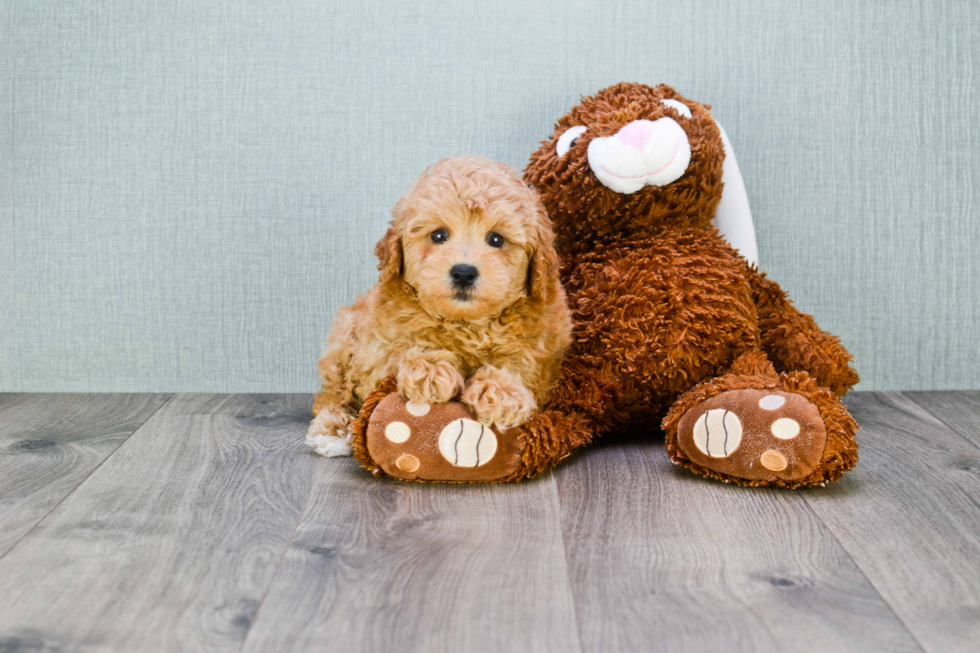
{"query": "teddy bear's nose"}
(636, 133)
(463, 275)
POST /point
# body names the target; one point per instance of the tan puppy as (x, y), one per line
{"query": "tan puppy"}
(468, 304)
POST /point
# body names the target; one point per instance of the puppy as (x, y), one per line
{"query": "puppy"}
(468, 304)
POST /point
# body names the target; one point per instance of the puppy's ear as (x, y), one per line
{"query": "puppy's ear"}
(389, 253)
(543, 264)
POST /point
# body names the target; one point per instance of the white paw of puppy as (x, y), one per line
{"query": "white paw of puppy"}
(424, 382)
(498, 398)
(329, 446)
(328, 434)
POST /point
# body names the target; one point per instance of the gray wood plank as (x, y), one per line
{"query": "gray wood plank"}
(662, 560)
(383, 565)
(49, 443)
(958, 410)
(172, 542)
(909, 515)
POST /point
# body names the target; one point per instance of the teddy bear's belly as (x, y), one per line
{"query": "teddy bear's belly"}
(661, 314)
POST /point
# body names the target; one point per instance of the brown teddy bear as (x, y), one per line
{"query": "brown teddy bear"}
(669, 320)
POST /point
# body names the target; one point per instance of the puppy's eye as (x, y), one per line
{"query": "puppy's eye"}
(567, 140)
(679, 107)
(495, 240)
(439, 236)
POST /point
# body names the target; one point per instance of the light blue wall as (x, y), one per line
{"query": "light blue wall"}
(189, 190)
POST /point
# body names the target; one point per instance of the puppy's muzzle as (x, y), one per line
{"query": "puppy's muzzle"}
(463, 275)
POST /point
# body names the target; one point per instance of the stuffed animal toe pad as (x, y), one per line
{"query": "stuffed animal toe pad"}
(436, 442)
(757, 427)
(756, 435)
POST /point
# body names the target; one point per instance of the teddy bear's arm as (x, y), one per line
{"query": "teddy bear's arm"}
(793, 341)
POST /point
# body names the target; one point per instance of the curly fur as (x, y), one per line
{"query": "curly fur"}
(663, 307)
(666, 314)
(586, 213)
(498, 345)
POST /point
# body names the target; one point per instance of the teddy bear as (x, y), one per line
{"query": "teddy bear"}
(674, 331)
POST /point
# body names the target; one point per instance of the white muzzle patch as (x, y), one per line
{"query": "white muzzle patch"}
(643, 153)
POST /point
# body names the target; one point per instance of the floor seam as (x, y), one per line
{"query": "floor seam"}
(864, 574)
(285, 550)
(88, 476)
(911, 397)
(564, 549)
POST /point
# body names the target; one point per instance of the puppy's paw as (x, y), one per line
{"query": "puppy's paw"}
(329, 446)
(498, 398)
(328, 434)
(428, 382)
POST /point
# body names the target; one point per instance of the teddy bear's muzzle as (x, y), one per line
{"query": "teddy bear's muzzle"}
(642, 153)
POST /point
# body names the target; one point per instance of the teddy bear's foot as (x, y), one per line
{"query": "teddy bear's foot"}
(755, 435)
(753, 426)
(445, 443)
(439, 442)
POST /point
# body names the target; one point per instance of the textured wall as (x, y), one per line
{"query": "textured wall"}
(189, 190)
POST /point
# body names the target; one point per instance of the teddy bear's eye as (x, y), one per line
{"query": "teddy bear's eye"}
(567, 140)
(680, 107)
(439, 236)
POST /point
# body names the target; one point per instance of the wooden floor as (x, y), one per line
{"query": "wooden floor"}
(199, 522)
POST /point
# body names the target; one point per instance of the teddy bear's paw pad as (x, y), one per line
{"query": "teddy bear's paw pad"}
(756, 435)
(467, 443)
(439, 442)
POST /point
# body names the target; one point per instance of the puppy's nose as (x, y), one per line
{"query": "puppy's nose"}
(463, 275)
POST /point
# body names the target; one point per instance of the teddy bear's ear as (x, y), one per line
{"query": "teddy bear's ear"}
(389, 253)
(733, 219)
